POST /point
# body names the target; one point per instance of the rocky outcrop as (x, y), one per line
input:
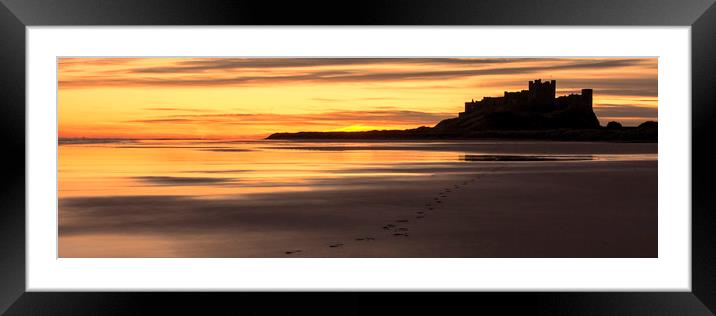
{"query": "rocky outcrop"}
(497, 119)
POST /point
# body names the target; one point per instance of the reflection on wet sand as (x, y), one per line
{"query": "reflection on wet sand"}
(371, 199)
(525, 158)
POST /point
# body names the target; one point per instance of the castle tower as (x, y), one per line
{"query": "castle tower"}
(541, 94)
(470, 106)
(587, 98)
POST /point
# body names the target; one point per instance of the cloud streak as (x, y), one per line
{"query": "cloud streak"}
(327, 118)
(182, 181)
(192, 66)
(618, 110)
(195, 76)
(174, 109)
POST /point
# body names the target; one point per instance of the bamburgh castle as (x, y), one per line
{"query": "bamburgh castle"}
(533, 109)
(528, 114)
(539, 98)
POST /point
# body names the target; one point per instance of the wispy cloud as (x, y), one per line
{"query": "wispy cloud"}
(355, 99)
(248, 63)
(172, 109)
(621, 110)
(181, 181)
(327, 118)
(195, 76)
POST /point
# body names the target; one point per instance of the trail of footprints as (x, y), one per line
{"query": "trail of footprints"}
(400, 227)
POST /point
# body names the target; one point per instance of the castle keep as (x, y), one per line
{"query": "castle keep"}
(539, 98)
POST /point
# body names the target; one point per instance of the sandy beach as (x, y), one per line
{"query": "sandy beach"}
(371, 200)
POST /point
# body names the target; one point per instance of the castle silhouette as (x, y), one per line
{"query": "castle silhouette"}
(534, 109)
(539, 98)
(536, 113)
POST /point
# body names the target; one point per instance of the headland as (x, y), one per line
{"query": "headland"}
(536, 113)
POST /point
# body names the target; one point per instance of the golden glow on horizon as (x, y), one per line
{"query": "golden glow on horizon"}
(254, 97)
(358, 128)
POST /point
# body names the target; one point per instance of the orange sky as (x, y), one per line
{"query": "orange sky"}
(250, 98)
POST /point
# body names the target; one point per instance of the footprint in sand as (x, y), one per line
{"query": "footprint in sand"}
(389, 226)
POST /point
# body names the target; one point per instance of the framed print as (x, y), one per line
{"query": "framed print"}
(554, 155)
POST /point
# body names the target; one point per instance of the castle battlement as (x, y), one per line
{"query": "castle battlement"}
(540, 97)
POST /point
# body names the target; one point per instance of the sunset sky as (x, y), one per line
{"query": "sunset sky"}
(250, 98)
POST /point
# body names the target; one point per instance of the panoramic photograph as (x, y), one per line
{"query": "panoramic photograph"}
(357, 157)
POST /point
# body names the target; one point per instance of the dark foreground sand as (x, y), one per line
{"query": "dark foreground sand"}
(465, 209)
(546, 209)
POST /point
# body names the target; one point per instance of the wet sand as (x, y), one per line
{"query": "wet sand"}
(544, 208)
(605, 209)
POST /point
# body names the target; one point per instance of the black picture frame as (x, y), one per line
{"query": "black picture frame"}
(16, 15)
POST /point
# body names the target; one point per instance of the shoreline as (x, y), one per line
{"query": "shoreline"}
(624, 134)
